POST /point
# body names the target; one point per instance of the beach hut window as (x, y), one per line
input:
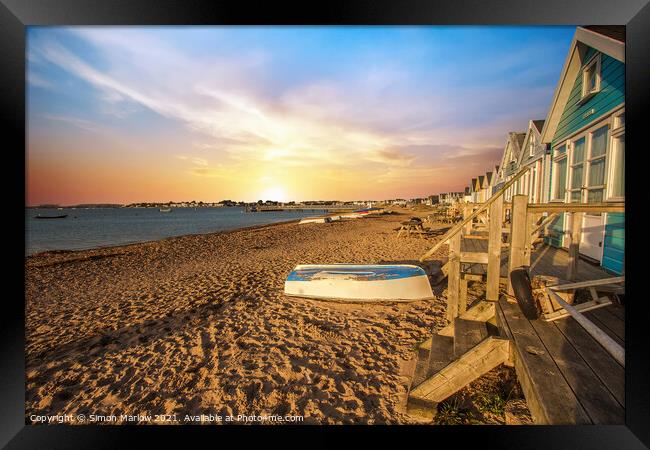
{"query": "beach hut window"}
(577, 170)
(591, 77)
(617, 171)
(531, 145)
(560, 173)
(596, 165)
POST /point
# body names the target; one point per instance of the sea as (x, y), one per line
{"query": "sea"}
(86, 228)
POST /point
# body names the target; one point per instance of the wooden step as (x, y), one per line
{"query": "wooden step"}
(439, 352)
(477, 361)
(467, 334)
(482, 311)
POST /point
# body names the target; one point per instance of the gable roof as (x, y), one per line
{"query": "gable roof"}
(584, 37)
(534, 126)
(488, 178)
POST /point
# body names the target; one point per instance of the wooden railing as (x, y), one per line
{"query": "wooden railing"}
(524, 227)
(528, 223)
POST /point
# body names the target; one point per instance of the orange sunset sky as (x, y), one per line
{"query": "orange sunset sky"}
(131, 114)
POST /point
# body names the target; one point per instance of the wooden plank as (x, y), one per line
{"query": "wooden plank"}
(467, 334)
(579, 207)
(453, 278)
(504, 331)
(589, 283)
(582, 307)
(481, 359)
(494, 251)
(610, 373)
(598, 402)
(528, 245)
(575, 225)
(617, 311)
(603, 327)
(462, 300)
(542, 226)
(610, 321)
(517, 235)
(467, 211)
(549, 397)
(472, 277)
(441, 353)
(481, 311)
(474, 257)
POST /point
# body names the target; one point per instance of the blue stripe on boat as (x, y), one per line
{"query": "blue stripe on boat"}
(357, 272)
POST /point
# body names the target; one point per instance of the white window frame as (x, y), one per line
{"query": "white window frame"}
(572, 164)
(585, 77)
(589, 160)
(555, 179)
(616, 130)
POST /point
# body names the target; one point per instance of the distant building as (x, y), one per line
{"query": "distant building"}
(450, 198)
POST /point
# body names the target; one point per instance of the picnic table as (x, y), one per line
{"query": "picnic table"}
(411, 226)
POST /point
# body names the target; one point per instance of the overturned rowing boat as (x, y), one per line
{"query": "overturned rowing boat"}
(354, 282)
(352, 215)
(315, 220)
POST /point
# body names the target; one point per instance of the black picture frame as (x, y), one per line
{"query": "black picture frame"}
(15, 15)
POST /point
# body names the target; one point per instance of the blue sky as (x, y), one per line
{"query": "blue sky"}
(295, 112)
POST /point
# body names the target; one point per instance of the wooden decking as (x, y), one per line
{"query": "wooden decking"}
(567, 377)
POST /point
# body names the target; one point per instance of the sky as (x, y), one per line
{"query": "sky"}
(157, 114)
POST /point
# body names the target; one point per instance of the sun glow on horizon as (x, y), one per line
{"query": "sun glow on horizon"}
(275, 193)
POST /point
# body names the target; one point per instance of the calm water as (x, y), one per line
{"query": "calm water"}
(91, 228)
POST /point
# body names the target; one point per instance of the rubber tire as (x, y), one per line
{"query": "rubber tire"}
(520, 281)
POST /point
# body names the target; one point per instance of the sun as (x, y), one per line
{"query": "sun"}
(275, 193)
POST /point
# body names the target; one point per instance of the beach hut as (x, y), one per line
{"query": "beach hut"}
(495, 184)
(510, 162)
(532, 157)
(585, 133)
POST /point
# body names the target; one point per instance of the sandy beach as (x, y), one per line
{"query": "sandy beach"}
(199, 325)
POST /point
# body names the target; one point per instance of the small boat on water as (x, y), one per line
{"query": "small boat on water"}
(165, 210)
(315, 220)
(59, 216)
(354, 282)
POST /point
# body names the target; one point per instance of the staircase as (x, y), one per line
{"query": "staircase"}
(447, 363)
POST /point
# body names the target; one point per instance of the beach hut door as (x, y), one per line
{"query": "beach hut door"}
(591, 244)
(593, 180)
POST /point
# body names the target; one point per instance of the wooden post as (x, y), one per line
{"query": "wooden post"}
(494, 250)
(467, 210)
(462, 304)
(575, 226)
(517, 235)
(531, 219)
(453, 279)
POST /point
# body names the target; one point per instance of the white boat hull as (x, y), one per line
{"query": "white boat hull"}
(350, 282)
(315, 220)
